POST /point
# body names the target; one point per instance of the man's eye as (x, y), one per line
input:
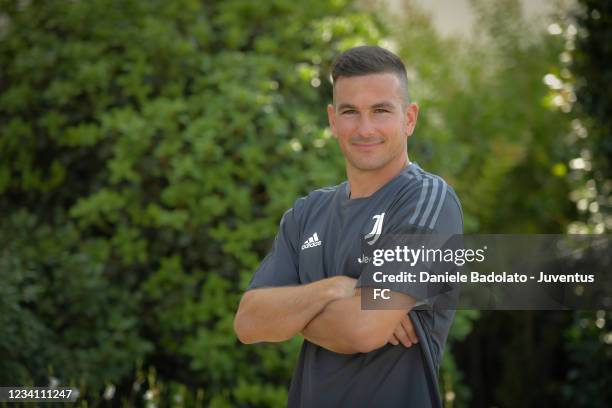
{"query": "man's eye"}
(349, 112)
(381, 110)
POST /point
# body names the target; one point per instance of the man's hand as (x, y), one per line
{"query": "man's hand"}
(404, 333)
(344, 327)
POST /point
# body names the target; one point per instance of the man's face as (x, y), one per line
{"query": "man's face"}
(371, 120)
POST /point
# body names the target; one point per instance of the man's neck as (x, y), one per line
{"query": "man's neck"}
(365, 183)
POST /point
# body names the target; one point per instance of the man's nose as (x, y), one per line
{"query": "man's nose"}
(366, 127)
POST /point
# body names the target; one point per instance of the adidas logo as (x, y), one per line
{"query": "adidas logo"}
(311, 242)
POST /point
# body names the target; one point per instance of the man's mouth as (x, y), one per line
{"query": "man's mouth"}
(367, 146)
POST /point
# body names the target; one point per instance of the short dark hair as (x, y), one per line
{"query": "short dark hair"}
(369, 59)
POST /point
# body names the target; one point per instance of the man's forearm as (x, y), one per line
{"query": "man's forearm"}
(277, 314)
(343, 327)
(332, 328)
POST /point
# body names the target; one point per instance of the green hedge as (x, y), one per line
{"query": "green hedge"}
(147, 152)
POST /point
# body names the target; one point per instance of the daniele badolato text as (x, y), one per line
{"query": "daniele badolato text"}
(421, 256)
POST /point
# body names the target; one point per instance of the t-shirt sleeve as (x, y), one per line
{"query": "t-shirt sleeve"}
(280, 266)
(450, 218)
(446, 227)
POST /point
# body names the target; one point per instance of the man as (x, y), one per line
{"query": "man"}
(309, 284)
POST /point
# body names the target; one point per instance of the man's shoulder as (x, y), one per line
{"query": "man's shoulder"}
(324, 192)
(424, 199)
(318, 198)
(424, 185)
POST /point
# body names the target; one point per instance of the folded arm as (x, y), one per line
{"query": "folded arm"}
(343, 327)
(279, 313)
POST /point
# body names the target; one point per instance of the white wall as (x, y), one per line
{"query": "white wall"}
(452, 17)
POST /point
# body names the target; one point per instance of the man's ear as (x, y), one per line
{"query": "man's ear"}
(412, 114)
(331, 117)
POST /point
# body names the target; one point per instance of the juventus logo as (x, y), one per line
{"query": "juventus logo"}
(373, 236)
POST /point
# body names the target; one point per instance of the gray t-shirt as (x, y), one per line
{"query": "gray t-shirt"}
(321, 237)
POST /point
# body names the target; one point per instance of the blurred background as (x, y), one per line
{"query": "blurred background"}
(149, 148)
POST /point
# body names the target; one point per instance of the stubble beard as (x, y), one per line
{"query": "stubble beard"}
(374, 163)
